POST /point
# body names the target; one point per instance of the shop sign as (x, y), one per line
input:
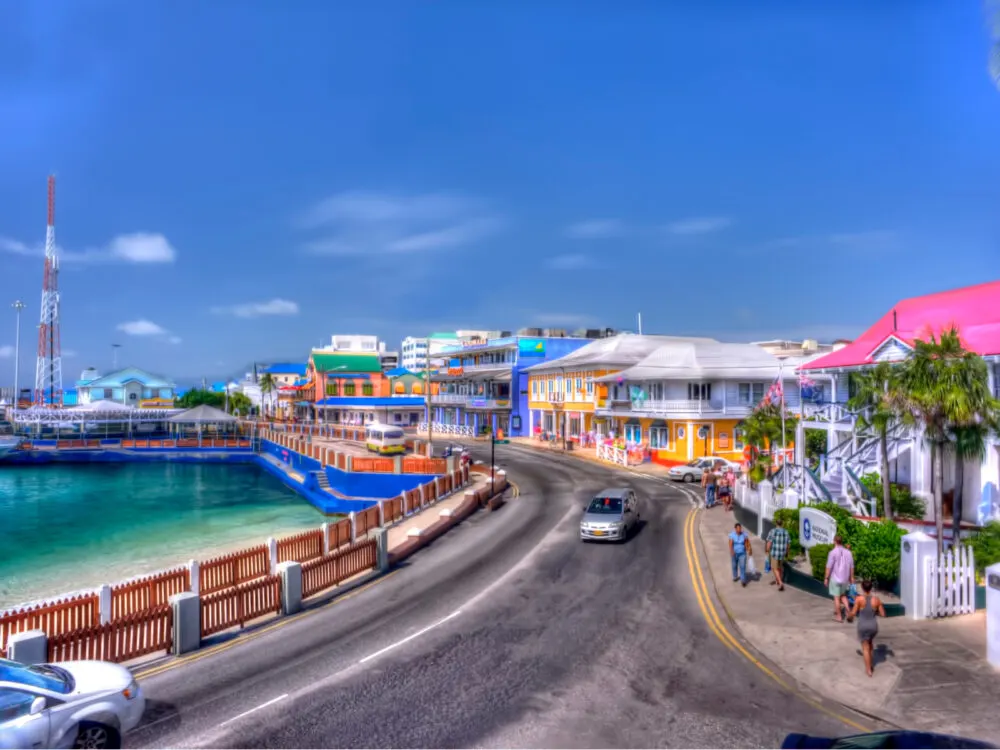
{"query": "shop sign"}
(531, 347)
(815, 527)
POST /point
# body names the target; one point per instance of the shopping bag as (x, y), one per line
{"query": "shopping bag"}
(751, 566)
(767, 564)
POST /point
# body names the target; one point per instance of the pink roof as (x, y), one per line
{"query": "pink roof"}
(974, 310)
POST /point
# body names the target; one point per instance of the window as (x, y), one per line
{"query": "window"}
(655, 391)
(590, 386)
(659, 437)
(751, 393)
(367, 389)
(14, 704)
(633, 433)
(579, 384)
(699, 391)
(331, 389)
(738, 439)
(550, 386)
(349, 389)
(534, 387)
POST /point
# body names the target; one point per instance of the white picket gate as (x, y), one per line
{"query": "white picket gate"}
(951, 583)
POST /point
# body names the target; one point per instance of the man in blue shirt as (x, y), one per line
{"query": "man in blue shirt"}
(739, 548)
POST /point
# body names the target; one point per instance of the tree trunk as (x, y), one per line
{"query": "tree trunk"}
(956, 506)
(938, 471)
(886, 484)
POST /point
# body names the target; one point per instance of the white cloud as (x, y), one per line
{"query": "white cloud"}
(877, 241)
(699, 225)
(173, 339)
(275, 306)
(371, 224)
(142, 247)
(68, 353)
(571, 262)
(596, 229)
(142, 327)
(6, 351)
(136, 248)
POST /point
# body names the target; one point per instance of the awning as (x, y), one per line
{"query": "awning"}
(658, 423)
(633, 420)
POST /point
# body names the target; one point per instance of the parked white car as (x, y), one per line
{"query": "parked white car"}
(69, 704)
(692, 470)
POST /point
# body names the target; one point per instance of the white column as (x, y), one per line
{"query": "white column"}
(989, 488)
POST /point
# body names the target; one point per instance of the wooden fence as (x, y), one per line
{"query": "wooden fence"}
(146, 593)
(55, 618)
(339, 534)
(235, 568)
(329, 571)
(130, 637)
(305, 546)
(371, 464)
(239, 605)
(365, 520)
(392, 508)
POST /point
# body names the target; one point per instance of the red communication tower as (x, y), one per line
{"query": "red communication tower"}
(48, 370)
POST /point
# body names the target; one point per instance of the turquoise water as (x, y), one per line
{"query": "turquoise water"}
(67, 527)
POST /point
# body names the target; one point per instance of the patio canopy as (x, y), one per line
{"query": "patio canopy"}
(103, 407)
(203, 414)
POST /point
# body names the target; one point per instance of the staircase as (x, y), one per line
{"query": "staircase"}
(322, 480)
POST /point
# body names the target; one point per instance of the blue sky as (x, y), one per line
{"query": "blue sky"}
(239, 180)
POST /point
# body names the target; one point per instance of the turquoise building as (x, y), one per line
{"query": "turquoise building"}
(130, 386)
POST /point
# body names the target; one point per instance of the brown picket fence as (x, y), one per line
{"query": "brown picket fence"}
(301, 547)
(365, 520)
(235, 568)
(150, 592)
(339, 534)
(55, 618)
(129, 637)
(329, 571)
(239, 605)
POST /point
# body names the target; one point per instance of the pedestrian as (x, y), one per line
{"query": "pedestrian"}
(725, 493)
(739, 549)
(839, 577)
(866, 607)
(708, 480)
(778, 542)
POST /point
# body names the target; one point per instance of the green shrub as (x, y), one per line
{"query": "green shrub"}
(903, 502)
(789, 518)
(817, 559)
(876, 553)
(986, 546)
(875, 546)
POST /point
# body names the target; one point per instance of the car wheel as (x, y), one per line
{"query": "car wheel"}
(97, 736)
(688, 478)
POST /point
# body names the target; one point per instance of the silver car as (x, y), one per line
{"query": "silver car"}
(67, 704)
(692, 470)
(610, 516)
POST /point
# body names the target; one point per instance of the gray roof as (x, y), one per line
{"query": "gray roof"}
(102, 407)
(622, 350)
(700, 360)
(203, 414)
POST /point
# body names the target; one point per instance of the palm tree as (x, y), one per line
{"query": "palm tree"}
(944, 386)
(877, 397)
(267, 386)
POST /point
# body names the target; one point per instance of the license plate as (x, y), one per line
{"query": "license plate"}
(597, 533)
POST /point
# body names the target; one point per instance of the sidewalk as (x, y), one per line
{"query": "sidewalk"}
(587, 454)
(930, 675)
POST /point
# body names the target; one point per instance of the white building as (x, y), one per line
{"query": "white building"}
(415, 350)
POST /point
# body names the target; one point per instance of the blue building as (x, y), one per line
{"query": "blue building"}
(485, 386)
(130, 386)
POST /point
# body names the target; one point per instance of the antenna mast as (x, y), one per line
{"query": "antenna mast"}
(48, 370)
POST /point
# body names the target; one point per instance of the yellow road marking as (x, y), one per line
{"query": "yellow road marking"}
(715, 623)
(241, 639)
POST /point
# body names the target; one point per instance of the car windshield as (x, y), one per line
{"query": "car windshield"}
(42, 676)
(605, 505)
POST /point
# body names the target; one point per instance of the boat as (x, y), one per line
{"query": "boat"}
(8, 440)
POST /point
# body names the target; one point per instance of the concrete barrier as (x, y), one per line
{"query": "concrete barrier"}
(28, 647)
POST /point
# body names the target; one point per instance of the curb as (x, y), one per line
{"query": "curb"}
(734, 623)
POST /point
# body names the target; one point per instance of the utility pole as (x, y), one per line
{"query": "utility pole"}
(493, 463)
(427, 399)
(18, 306)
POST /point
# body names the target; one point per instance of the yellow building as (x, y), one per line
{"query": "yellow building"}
(686, 399)
(567, 398)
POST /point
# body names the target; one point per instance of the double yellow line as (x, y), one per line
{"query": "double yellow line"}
(717, 626)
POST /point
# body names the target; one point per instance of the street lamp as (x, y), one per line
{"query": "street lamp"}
(18, 306)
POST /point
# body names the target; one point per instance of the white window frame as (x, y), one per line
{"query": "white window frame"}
(664, 432)
(752, 390)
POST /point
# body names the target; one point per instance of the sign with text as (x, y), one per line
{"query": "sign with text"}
(815, 527)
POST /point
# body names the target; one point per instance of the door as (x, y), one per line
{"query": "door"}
(681, 437)
(19, 728)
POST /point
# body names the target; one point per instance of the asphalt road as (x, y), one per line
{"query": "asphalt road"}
(507, 632)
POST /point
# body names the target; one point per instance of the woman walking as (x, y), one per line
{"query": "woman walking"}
(866, 607)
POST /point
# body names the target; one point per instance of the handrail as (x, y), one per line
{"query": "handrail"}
(824, 491)
(866, 495)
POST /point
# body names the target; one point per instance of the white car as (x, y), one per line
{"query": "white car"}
(692, 470)
(68, 704)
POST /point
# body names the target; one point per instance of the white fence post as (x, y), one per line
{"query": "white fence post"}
(104, 602)
(272, 549)
(766, 505)
(194, 569)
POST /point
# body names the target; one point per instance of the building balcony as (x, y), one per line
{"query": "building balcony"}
(471, 401)
(450, 398)
(679, 407)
